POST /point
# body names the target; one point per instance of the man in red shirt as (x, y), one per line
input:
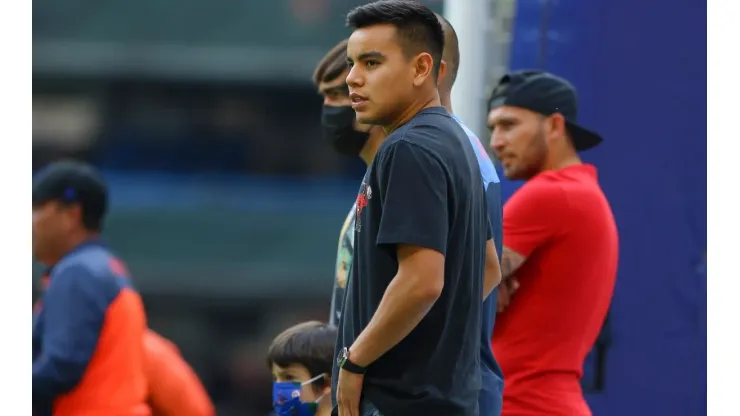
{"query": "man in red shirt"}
(560, 246)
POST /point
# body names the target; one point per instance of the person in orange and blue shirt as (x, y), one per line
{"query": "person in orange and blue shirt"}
(88, 354)
(173, 387)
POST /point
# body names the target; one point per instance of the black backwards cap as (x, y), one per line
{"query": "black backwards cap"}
(70, 183)
(546, 94)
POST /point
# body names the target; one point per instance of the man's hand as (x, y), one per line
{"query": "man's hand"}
(505, 291)
(349, 390)
(510, 262)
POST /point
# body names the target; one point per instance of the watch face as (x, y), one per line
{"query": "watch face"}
(342, 357)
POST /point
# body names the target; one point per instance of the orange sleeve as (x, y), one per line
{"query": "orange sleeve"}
(174, 388)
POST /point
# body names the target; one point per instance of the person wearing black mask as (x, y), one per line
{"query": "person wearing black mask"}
(348, 137)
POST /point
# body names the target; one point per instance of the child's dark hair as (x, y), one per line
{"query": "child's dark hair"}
(310, 344)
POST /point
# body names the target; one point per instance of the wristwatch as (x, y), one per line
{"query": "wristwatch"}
(344, 363)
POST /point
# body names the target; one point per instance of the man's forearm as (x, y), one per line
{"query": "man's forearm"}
(491, 279)
(510, 261)
(492, 272)
(403, 306)
(44, 388)
(53, 377)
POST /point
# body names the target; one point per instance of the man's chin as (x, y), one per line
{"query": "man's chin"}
(366, 119)
(512, 174)
(517, 175)
(362, 127)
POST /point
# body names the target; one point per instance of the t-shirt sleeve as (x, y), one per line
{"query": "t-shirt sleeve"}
(413, 193)
(489, 228)
(533, 216)
(75, 312)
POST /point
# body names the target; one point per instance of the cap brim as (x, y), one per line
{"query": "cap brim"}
(583, 139)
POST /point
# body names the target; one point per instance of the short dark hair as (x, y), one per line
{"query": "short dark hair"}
(332, 64)
(418, 26)
(310, 344)
(451, 53)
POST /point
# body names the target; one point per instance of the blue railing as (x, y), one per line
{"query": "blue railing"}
(161, 190)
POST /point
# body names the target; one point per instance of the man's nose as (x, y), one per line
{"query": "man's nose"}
(353, 77)
(497, 142)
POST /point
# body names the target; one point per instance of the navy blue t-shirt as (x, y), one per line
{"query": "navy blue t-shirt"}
(423, 188)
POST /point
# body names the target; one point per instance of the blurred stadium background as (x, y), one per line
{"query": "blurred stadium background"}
(227, 203)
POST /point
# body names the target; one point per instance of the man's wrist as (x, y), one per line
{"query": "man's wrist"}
(358, 357)
(347, 362)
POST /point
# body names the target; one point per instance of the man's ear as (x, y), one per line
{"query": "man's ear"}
(423, 68)
(73, 213)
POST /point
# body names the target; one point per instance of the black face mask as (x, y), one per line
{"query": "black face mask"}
(339, 130)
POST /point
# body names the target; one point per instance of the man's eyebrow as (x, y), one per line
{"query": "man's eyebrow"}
(493, 122)
(504, 119)
(367, 55)
(370, 54)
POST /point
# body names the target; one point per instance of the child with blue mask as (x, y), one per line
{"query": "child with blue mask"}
(300, 359)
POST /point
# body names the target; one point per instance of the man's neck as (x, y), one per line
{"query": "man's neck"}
(75, 240)
(431, 100)
(445, 98)
(563, 161)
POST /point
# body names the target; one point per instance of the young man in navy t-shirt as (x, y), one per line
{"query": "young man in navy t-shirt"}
(409, 335)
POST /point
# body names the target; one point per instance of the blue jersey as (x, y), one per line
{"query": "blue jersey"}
(489, 401)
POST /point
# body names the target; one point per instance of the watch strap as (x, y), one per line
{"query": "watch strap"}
(352, 367)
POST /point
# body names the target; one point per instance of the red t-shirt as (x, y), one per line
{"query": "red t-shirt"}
(562, 223)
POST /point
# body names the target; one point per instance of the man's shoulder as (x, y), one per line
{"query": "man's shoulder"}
(409, 141)
(431, 122)
(84, 262)
(539, 188)
(563, 186)
(488, 170)
(465, 128)
(432, 135)
(95, 267)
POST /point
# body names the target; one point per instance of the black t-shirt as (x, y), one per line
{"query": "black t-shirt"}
(423, 188)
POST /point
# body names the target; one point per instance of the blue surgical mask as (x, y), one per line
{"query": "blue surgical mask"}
(286, 398)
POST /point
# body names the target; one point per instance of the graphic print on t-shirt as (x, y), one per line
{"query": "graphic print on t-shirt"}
(343, 266)
(366, 193)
